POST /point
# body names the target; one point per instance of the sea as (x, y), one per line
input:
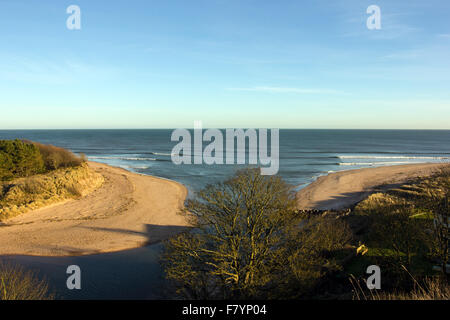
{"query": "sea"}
(304, 155)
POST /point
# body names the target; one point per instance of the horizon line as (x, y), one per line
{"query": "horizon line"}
(222, 128)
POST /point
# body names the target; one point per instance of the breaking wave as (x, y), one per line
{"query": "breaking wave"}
(124, 158)
(372, 163)
(393, 157)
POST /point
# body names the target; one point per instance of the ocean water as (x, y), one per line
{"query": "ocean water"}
(304, 154)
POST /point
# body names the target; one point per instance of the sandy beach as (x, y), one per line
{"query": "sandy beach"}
(131, 210)
(128, 211)
(344, 189)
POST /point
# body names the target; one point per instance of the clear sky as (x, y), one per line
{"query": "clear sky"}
(229, 63)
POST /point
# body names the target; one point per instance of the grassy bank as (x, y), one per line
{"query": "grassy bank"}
(403, 232)
(25, 194)
(33, 175)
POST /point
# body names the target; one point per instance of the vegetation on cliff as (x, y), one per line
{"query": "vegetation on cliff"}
(249, 242)
(34, 175)
(407, 235)
(22, 158)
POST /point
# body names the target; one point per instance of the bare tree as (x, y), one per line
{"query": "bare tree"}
(238, 226)
(249, 242)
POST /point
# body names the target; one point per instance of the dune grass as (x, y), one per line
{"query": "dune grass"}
(29, 193)
(431, 288)
(406, 240)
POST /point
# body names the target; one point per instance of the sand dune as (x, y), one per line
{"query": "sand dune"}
(128, 211)
(344, 189)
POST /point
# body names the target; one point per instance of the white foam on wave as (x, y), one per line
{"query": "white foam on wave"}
(124, 158)
(134, 167)
(392, 157)
(372, 163)
(163, 154)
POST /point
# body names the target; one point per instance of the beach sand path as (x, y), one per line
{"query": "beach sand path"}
(344, 189)
(128, 211)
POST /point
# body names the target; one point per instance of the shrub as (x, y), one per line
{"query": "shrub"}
(407, 230)
(19, 159)
(25, 158)
(309, 256)
(438, 202)
(56, 157)
(18, 284)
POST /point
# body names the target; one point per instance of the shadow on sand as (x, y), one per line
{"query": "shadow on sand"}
(127, 274)
(350, 199)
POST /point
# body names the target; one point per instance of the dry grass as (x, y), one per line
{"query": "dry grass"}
(56, 157)
(432, 288)
(26, 194)
(403, 232)
(375, 202)
(414, 192)
(19, 284)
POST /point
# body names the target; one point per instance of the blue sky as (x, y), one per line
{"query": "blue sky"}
(229, 63)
